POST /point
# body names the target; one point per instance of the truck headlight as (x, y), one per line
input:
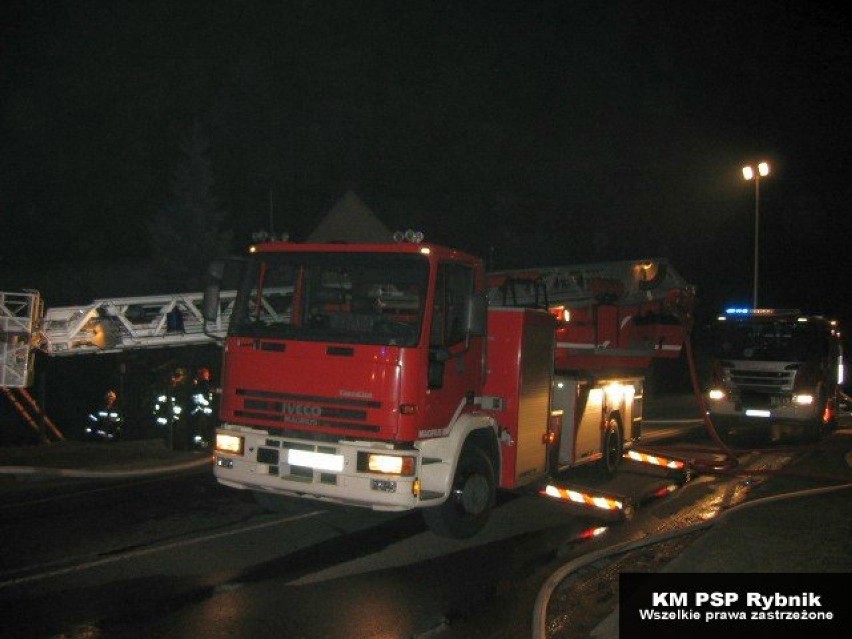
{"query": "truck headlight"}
(803, 399)
(716, 394)
(229, 444)
(386, 464)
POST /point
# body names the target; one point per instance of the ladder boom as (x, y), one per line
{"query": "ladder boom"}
(622, 282)
(610, 315)
(118, 324)
(103, 326)
(19, 314)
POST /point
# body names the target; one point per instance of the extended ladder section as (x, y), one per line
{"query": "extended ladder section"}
(19, 314)
(610, 314)
(625, 282)
(118, 324)
(102, 326)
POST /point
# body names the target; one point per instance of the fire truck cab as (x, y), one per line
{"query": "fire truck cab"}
(774, 370)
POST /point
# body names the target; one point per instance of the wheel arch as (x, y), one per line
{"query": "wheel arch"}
(441, 455)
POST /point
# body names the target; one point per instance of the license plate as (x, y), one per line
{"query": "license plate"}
(317, 461)
(755, 412)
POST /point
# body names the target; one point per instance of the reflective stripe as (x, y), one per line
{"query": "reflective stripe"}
(655, 460)
(596, 501)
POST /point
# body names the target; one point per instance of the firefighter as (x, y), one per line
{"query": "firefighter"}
(106, 422)
(201, 414)
(172, 410)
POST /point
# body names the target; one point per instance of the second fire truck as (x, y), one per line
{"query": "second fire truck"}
(402, 376)
(774, 371)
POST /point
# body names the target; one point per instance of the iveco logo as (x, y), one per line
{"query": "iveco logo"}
(301, 409)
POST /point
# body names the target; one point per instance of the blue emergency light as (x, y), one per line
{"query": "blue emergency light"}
(745, 310)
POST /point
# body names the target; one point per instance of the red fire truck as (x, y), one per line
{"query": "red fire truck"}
(775, 371)
(400, 376)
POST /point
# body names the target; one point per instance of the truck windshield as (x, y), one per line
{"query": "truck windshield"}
(782, 341)
(350, 298)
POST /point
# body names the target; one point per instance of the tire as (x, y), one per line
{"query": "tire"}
(471, 499)
(817, 429)
(831, 426)
(613, 448)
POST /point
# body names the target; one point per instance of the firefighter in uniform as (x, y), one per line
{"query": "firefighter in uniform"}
(105, 423)
(201, 414)
(172, 410)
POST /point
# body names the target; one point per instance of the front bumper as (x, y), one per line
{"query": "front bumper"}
(328, 471)
(759, 416)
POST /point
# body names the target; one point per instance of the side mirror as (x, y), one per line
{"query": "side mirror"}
(477, 315)
(440, 354)
(438, 358)
(210, 302)
(216, 270)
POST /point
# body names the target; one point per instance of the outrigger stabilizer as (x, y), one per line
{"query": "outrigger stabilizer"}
(670, 464)
(583, 500)
(610, 505)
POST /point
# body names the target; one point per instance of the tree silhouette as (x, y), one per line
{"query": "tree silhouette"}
(188, 231)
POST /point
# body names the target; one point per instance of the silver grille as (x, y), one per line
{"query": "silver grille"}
(762, 381)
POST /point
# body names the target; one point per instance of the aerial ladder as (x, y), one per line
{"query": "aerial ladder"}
(109, 325)
(620, 313)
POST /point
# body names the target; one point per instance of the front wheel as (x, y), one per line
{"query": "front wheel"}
(471, 499)
(823, 423)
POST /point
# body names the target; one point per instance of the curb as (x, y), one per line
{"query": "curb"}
(84, 473)
(539, 621)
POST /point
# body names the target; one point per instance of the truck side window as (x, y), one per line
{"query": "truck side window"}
(454, 286)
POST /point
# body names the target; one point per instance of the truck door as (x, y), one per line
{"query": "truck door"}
(454, 361)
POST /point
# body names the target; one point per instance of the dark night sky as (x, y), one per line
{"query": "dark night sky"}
(537, 132)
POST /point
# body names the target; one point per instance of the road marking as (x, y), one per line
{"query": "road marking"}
(83, 473)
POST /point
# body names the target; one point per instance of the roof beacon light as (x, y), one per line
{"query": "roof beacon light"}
(744, 310)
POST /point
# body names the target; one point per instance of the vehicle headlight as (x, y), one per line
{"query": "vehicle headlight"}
(229, 444)
(386, 464)
(803, 399)
(716, 394)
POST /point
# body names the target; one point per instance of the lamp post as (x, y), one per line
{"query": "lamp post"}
(750, 173)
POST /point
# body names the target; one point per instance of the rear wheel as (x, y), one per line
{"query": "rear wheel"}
(613, 448)
(471, 499)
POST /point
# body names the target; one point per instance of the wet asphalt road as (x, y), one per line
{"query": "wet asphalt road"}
(184, 557)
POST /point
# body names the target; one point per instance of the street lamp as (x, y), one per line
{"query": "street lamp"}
(749, 173)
